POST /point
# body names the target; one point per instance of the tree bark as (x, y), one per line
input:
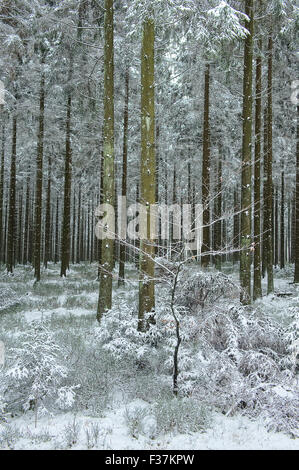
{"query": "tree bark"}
(2, 192)
(66, 223)
(296, 275)
(12, 201)
(206, 172)
(39, 179)
(148, 173)
(257, 279)
(48, 218)
(122, 248)
(269, 182)
(282, 222)
(245, 261)
(107, 244)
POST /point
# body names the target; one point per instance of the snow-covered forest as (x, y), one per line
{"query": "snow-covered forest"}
(149, 224)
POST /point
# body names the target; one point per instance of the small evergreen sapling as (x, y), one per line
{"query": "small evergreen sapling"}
(36, 374)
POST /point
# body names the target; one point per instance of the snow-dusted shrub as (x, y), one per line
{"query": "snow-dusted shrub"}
(181, 415)
(35, 373)
(119, 336)
(8, 298)
(2, 408)
(134, 417)
(9, 435)
(197, 290)
(92, 434)
(240, 362)
(279, 407)
(71, 433)
(91, 367)
(293, 341)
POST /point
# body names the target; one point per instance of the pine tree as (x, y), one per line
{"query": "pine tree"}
(269, 182)
(122, 248)
(2, 191)
(107, 244)
(10, 261)
(148, 172)
(296, 276)
(257, 279)
(282, 222)
(65, 239)
(27, 218)
(39, 178)
(245, 261)
(206, 171)
(48, 218)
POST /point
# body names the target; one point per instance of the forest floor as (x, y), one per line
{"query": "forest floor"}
(103, 417)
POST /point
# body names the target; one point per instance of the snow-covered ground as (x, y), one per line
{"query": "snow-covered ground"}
(233, 433)
(116, 409)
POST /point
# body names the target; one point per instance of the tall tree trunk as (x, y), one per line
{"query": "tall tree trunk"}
(218, 210)
(245, 261)
(78, 227)
(148, 172)
(2, 192)
(236, 242)
(66, 223)
(257, 279)
(173, 220)
(269, 182)
(275, 230)
(31, 230)
(122, 248)
(27, 218)
(296, 276)
(74, 227)
(282, 226)
(265, 217)
(10, 259)
(206, 172)
(39, 179)
(48, 218)
(107, 245)
(20, 226)
(56, 244)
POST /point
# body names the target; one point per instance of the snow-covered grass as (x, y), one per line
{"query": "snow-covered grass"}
(73, 431)
(237, 382)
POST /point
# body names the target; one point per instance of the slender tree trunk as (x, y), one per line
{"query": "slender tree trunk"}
(236, 242)
(218, 210)
(20, 227)
(148, 173)
(173, 221)
(5, 234)
(257, 280)
(39, 179)
(206, 172)
(296, 276)
(269, 182)
(78, 227)
(31, 230)
(275, 227)
(122, 248)
(107, 250)
(74, 227)
(66, 223)
(282, 226)
(12, 201)
(56, 244)
(2, 193)
(27, 218)
(265, 217)
(48, 218)
(245, 261)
